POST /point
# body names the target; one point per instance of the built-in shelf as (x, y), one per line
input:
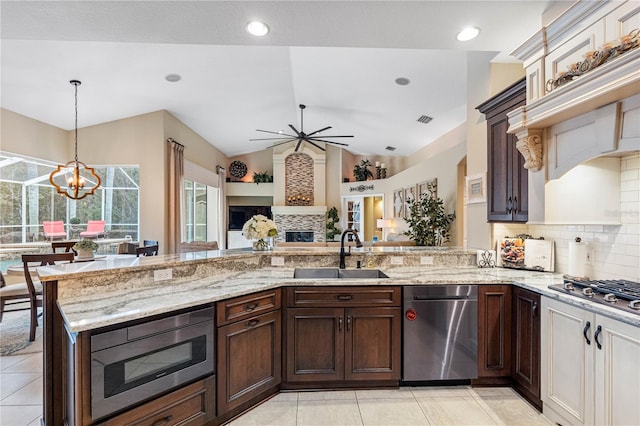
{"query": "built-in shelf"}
(249, 189)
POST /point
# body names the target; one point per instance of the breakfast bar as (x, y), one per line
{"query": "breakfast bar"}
(238, 301)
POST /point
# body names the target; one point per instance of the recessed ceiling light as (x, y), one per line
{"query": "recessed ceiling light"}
(257, 28)
(468, 33)
(172, 78)
(402, 81)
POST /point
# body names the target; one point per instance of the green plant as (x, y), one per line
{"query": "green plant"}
(262, 177)
(361, 171)
(332, 219)
(85, 244)
(429, 223)
(74, 221)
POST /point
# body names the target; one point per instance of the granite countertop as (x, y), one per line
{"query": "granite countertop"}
(119, 288)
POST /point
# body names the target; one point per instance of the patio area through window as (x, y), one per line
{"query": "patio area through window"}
(27, 199)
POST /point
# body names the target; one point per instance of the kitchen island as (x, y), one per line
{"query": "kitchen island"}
(84, 299)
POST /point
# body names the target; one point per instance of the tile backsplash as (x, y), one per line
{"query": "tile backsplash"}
(613, 250)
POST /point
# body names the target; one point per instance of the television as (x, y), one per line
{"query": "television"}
(238, 215)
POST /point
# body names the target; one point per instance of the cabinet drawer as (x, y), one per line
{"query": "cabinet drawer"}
(191, 405)
(343, 296)
(243, 307)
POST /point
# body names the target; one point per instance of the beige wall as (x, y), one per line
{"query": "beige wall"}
(484, 81)
(139, 140)
(259, 161)
(26, 136)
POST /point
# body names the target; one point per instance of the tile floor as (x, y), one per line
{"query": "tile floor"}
(21, 404)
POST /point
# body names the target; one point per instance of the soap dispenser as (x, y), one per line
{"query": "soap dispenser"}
(368, 259)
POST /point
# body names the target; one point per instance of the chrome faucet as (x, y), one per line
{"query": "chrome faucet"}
(342, 253)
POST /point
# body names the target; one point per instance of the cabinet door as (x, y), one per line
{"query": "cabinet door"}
(567, 363)
(372, 347)
(519, 183)
(526, 350)
(500, 157)
(315, 344)
(249, 359)
(494, 331)
(617, 372)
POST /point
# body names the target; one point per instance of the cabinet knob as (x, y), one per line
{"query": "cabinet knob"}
(252, 322)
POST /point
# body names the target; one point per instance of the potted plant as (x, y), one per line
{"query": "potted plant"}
(262, 177)
(361, 171)
(74, 221)
(332, 219)
(85, 248)
(429, 223)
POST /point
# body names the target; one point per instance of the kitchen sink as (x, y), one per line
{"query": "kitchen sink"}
(337, 273)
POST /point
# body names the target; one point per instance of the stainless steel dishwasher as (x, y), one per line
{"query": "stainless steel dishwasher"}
(440, 332)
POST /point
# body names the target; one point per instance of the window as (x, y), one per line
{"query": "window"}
(201, 212)
(27, 199)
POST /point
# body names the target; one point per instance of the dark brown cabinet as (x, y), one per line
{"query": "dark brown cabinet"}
(525, 360)
(494, 334)
(507, 179)
(334, 341)
(249, 348)
(191, 405)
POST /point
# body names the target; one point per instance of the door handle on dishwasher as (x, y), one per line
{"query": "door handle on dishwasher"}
(441, 298)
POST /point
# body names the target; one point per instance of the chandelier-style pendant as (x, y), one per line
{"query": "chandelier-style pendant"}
(74, 179)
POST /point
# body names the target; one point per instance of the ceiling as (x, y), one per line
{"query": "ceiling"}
(339, 58)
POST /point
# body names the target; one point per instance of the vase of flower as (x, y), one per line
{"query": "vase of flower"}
(261, 245)
(260, 228)
(85, 248)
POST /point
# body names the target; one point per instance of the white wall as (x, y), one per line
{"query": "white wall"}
(615, 248)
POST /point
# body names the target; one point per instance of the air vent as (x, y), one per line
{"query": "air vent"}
(390, 148)
(425, 119)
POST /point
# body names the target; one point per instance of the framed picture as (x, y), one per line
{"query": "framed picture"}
(398, 203)
(422, 187)
(409, 198)
(476, 189)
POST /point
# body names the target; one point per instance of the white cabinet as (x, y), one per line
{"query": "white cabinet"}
(590, 367)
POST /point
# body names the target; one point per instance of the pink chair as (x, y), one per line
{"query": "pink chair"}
(54, 229)
(95, 228)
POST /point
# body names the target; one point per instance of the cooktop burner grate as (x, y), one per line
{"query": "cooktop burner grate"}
(624, 289)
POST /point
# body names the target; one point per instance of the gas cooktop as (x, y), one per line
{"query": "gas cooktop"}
(620, 294)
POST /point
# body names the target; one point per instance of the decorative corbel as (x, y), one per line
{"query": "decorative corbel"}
(530, 146)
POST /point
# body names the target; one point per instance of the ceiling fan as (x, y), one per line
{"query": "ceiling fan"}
(301, 135)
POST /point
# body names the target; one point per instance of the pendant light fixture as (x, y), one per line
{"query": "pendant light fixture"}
(74, 179)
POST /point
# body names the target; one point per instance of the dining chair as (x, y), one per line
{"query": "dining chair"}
(147, 251)
(11, 295)
(66, 245)
(35, 287)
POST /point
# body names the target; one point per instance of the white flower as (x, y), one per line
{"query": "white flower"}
(259, 227)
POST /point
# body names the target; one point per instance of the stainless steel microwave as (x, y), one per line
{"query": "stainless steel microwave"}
(137, 363)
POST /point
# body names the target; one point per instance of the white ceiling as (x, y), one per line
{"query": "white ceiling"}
(340, 58)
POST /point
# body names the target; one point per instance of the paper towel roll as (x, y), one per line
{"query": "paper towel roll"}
(577, 258)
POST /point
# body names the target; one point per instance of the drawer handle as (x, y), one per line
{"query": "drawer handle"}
(252, 322)
(163, 421)
(344, 297)
(250, 307)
